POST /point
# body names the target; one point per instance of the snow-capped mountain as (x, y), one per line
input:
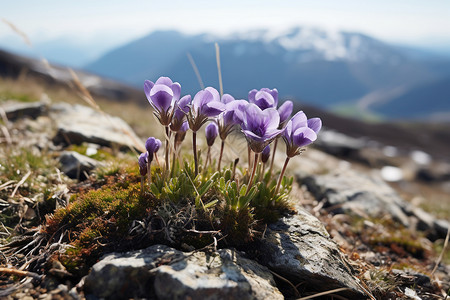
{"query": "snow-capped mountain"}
(309, 44)
(320, 67)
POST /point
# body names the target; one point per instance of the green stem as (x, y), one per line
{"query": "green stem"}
(149, 173)
(167, 148)
(273, 157)
(221, 153)
(249, 152)
(281, 175)
(208, 157)
(255, 163)
(194, 147)
(173, 162)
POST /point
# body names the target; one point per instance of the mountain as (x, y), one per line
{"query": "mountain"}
(432, 99)
(319, 67)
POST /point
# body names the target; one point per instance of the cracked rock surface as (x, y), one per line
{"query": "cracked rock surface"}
(162, 272)
(300, 249)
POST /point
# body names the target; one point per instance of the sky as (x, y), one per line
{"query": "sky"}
(412, 22)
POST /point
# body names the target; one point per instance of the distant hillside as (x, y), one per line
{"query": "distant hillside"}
(431, 138)
(319, 67)
(431, 99)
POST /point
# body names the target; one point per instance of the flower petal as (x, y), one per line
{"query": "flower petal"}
(285, 110)
(299, 120)
(161, 96)
(304, 136)
(271, 119)
(214, 92)
(251, 96)
(176, 88)
(227, 98)
(165, 81)
(212, 108)
(315, 124)
(147, 88)
(264, 99)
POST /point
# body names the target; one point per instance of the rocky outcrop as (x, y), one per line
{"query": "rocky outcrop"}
(299, 248)
(162, 272)
(349, 191)
(76, 124)
(15, 110)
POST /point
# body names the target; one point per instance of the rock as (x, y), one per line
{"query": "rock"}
(300, 249)
(349, 191)
(339, 144)
(15, 110)
(75, 165)
(162, 272)
(77, 124)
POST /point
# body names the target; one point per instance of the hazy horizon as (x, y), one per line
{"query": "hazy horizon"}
(105, 25)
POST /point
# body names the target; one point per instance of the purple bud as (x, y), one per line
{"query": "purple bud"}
(211, 131)
(152, 145)
(285, 111)
(143, 158)
(265, 154)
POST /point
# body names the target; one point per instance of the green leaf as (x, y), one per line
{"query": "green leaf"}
(211, 203)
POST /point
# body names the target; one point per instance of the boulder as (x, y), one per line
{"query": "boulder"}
(16, 110)
(350, 191)
(161, 272)
(76, 124)
(300, 249)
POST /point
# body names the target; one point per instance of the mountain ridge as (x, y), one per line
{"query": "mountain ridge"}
(316, 66)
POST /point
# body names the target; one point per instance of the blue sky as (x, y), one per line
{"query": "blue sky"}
(401, 21)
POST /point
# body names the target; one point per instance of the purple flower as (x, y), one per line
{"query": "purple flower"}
(162, 95)
(143, 159)
(152, 145)
(206, 103)
(285, 111)
(300, 132)
(179, 115)
(211, 132)
(264, 98)
(265, 154)
(230, 116)
(260, 127)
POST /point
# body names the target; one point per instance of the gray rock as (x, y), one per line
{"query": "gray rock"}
(348, 191)
(339, 144)
(75, 165)
(165, 273)
(15, 110)
(299, 248)
(77, 124)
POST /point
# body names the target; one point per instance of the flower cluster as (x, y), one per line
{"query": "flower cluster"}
(259, 119)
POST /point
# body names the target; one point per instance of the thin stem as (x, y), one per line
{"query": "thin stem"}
(221, 153)
(149, 173)
(173, 161)
(255, 163)
(194, 147)
(281, 175)
(208, 157)
(273, 157)
(142, 185)
(167, 148)
(249, 152)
